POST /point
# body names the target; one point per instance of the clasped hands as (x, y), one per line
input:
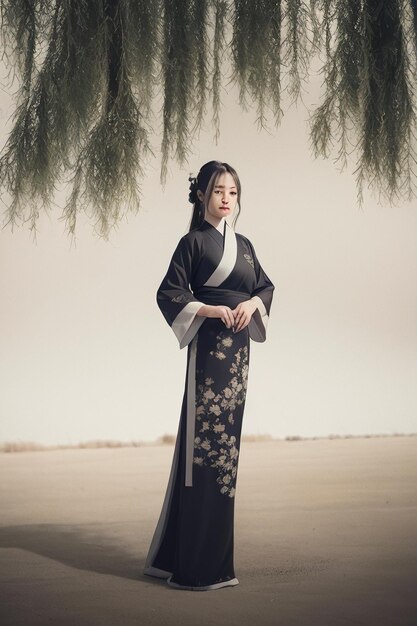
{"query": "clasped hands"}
(236, 318)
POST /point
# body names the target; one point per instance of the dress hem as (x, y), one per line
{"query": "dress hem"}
(226, 583)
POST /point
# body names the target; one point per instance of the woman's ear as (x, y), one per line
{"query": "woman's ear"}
(200, 195)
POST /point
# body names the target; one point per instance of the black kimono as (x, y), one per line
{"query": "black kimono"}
(193, 542)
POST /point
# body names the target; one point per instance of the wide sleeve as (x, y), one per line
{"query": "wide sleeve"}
(263, 291)
(174, 296)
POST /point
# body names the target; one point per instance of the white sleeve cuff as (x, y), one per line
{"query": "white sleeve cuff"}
(260, 305)
(187, 323)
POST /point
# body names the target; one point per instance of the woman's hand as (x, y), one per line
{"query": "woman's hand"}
(243, 313)
(223, 312)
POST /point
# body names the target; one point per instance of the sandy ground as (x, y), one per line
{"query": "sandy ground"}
(325, 534)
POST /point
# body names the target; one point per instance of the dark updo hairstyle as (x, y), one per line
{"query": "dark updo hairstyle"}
(205, 181)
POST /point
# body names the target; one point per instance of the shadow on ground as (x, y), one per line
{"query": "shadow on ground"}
(79, 546)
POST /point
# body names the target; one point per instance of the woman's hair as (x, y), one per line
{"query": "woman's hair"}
(205, 181)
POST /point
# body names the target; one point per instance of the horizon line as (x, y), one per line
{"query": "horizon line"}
(168, 439)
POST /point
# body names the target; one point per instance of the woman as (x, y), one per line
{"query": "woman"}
(215, 297)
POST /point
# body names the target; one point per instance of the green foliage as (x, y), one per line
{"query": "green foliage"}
(256, 46)
(184, 74)
(369, 102)
(220, 8)
(90, 72)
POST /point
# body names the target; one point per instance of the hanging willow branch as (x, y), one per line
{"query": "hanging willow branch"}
(89, 72)
(108, 163)
(414, 7)
(184, 74)
(370, 93)
(219, 39)
(258, 65)
(56, 99)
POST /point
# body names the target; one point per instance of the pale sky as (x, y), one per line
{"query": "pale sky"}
(86, 353)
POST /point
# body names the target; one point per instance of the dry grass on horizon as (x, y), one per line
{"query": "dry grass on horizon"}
(168, 439)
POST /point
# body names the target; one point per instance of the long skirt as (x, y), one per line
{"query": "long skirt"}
(194, 539)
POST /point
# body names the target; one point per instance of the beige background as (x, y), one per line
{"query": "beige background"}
(86, 353)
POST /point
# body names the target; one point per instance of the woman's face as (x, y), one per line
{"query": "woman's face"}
(224, 198)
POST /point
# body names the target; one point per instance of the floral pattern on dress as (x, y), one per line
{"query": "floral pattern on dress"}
(249, 259)
(213, 446)
(224, 342)
(183, 297)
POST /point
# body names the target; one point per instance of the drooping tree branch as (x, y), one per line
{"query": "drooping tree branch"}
(388, 113)
(57, 102)
(341, 70)
(185, 61)
(105, 180)
(219, 45)
(369, 102)
(414, 8)
(258, 65)
(89, 72)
